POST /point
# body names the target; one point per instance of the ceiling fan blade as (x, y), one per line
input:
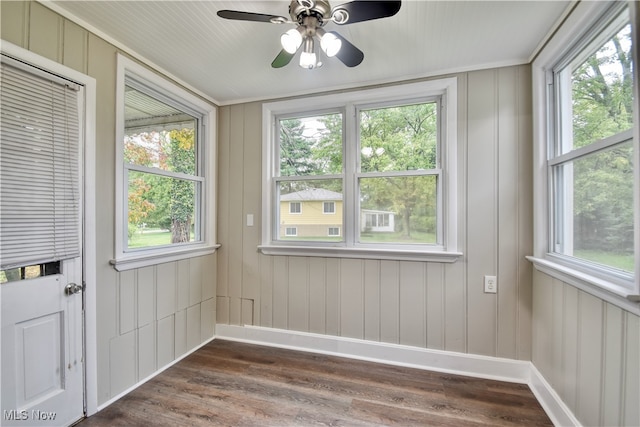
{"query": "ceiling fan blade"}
(250, 16)
(282, 59)
(348, 53)
(364, 10)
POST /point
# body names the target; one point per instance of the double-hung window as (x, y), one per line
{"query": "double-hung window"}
(363, 174)
(165, 170)
(590, 149)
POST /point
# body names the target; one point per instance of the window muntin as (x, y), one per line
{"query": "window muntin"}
(590, 162)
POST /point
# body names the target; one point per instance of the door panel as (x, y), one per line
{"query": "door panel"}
(42, 364)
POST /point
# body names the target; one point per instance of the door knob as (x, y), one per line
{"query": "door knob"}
(72, 289)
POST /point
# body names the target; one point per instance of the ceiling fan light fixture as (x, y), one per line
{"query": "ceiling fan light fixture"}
(291, 40)
(330, 44)
(308, 57)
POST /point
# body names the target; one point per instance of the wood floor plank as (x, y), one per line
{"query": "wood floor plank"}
(236, 384)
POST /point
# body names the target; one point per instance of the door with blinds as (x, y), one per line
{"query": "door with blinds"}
(40, 247)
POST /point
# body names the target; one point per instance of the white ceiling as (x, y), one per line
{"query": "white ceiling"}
(229, 61)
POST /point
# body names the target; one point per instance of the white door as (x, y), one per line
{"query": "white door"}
(42, 349)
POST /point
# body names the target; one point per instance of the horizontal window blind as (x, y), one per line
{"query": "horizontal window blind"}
(39, 161)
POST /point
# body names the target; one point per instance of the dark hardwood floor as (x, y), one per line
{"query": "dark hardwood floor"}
(234, 384)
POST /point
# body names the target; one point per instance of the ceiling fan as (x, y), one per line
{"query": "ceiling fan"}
(310, 16)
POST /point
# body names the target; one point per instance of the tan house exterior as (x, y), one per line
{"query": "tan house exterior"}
(314, 212)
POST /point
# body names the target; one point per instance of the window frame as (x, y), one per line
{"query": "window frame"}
(130, 71)
(331, 211)
(579, 31)
(350, 103)
(299, 209)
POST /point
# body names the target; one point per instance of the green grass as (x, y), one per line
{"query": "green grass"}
(151, 238)
(621, 261)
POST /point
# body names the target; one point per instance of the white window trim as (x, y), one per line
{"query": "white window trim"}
(291, 208)
(294, 234)
(141, 258)
(448, 252)
(584, 16)
(324, 208)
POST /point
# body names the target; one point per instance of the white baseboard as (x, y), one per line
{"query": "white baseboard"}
(493, 368)
(555, 408)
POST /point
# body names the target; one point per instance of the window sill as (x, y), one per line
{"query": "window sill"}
(361, 253)
(145, 259)
(603, 289)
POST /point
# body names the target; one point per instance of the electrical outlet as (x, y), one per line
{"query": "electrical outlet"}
(490, 284)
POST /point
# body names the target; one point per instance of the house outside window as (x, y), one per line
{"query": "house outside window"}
(165, 170)
(382, 152)
(589, 155)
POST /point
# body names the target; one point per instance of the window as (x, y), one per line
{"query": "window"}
(590, 153)
(165, 177)
(291, 231)
(329, 207)
(295, 207)
(385, 157)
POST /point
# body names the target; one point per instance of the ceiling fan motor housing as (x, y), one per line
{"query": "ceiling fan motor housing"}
(319, 9)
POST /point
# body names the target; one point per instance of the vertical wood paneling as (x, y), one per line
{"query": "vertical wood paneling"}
(224, 146)
(570, 345)
(352, 298)
(332, 297)
(234, 205)
(166, 290)
(372, 306)
(317, 295)
(146, 351)
(122, 363)
(455, 308)
(193, 326)
(251, 191)
(525, 214)
(481, 209)
(195, 280)
(390, 302)
(590, 357)
(208, 268)
(508, 251)
(280, 292)
(14, 22)
(182, 284)
(45, 32)
(266, 291)
(146, 295)
(75, 47)
(207, 319)
(127, 301)
(613, 366)
(555, 300)
(543, 339)
(222, 309)
(435, 306)
(180, 331)
(412, 304)
(165, 341)
(298, 294)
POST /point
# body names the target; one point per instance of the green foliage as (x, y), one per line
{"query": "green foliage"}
(157, 201)
(603, 182)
